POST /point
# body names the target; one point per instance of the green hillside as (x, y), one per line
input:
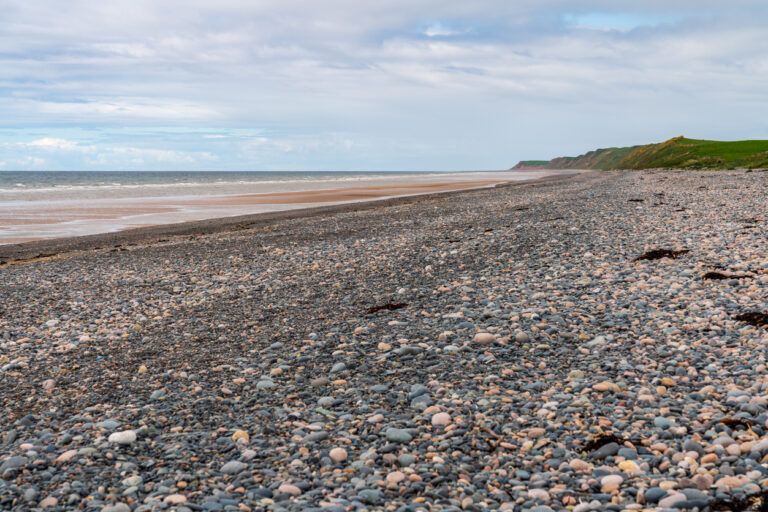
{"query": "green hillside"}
(677, 153)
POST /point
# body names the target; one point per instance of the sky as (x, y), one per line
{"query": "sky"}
(400, 85)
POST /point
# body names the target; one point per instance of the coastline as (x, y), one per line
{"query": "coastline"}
(355, 199)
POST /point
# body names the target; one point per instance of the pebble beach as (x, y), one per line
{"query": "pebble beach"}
(590, 343)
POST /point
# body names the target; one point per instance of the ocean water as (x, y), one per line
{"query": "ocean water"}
(77, 185)
(48, 204)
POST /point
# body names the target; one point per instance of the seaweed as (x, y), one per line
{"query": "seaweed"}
(756, 503)
(719, 276)
(657, 254)
(386, 307)
(602, 439)
(756, 318)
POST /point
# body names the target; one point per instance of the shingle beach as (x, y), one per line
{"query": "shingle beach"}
(585, 343)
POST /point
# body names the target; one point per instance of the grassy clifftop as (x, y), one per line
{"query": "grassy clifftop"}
(677, 153)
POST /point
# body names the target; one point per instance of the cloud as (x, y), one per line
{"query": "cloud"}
(441, 30)
(99, 156)
(52, 143)
(372, 85)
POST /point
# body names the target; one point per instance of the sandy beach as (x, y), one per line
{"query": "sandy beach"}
(27, 215)
(583, 343)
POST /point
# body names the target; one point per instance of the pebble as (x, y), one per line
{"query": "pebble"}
(532, 363)
(289, 489)
(484, 338)
(397, 435)
(338, 454)
(441, 419)
(124, 437)
(234, 467)
(395, 477)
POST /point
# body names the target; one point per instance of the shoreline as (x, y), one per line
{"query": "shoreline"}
(14, 253)
(41, 214)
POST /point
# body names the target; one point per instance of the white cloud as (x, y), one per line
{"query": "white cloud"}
(487, 82)
(53, 144)
(440, 30)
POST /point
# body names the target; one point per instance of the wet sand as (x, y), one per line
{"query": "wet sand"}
(60, 219)
(311, 205)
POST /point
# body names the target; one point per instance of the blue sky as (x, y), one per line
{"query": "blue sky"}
(349, 85)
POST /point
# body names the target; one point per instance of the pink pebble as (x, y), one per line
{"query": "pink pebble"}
(441, 418)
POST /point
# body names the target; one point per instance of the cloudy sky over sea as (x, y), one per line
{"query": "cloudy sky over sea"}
(351, 85)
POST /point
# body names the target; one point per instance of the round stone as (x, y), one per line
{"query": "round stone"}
(175, 499)
(441, 418)
(233, 467)
(521, 337)
(289, 489)
(125, 437)
(484, 338)
(338, 454)
(398, 435)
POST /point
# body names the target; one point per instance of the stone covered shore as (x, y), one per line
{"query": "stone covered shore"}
(589, 343)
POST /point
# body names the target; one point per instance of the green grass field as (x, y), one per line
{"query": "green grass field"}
(677, 153)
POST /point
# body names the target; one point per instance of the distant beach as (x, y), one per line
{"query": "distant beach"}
(44, 205)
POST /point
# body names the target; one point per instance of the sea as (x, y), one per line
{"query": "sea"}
(49, 204)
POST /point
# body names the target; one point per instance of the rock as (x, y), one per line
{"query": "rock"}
(440, 419)
(629, 466)
(606, 386)
(398, 435)
(369, 496)
(316, 437)
(654, 494)
(338, 367)
(672, 500)
(125, 437)
(14, 462)
(108, 424)
(142, 370)
(241, 434)
(50, 501)
(606, 451)
(395, 477)
(611, 483)
(30, 494)
(265, 384)
(289, 489)
(65, 457)
(521, 337)
(117, 507)
(730, 482)
(338, 455)
(484, 338)
(580, 465)
(175, 499)
(406, 459)
(234, 467)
